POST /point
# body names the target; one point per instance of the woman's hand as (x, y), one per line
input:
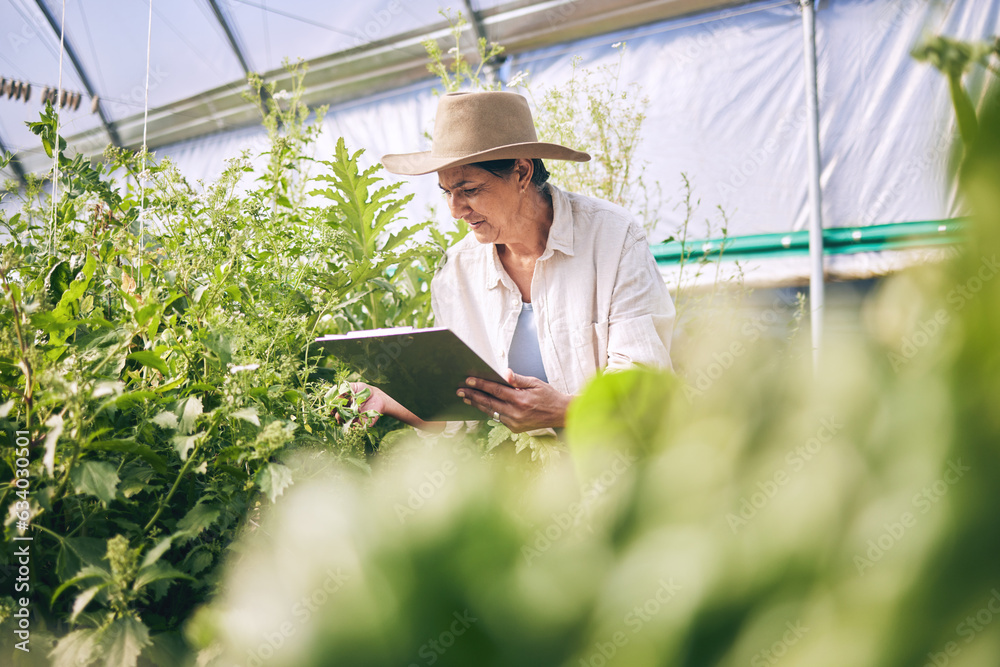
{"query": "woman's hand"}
(527, 404)
(384, 404)
(377, 401)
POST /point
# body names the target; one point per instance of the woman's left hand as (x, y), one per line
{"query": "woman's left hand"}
(527, 404)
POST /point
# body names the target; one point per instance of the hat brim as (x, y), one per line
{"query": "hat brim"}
(416, 164)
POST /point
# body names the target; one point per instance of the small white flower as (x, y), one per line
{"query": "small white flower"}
(281, 95)
(517, 78)
(239, 369)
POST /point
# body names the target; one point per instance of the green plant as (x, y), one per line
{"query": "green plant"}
(596, 112)
(459, 72)
(955, 58)
(154, 346)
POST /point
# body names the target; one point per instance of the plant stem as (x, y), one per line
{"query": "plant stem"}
(29, 376)
(173, 489)
(46, 530)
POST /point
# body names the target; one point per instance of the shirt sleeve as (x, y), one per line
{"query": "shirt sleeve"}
(642, 314)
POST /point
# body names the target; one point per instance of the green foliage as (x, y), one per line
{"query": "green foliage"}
(596, 112)
(154, 344)
(955, 58)
(696, 268)
(459, 72)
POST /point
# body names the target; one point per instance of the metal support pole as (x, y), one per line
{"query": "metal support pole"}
(816, 277)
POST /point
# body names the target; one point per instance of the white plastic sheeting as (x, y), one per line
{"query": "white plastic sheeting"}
(727, 107)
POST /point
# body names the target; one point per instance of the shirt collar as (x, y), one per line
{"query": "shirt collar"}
(561, 232)
(494, 269)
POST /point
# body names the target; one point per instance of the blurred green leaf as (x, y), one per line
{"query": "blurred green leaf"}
(95, 478)
(150, 359)
(273, 479)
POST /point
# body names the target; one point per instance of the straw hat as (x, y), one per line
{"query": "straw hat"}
(473, 127)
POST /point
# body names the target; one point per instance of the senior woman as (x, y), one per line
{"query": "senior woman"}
(553, 286)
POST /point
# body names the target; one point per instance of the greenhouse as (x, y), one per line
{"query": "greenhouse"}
(501, 332)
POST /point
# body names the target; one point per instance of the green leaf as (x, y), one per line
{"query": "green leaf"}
(123, 641)
(55, 424)
(499, 434)
(58, 281)
(173, 384)
(150, 359)
(136, 479)
(134, 398)
(84, 598)
(145, 452)
(183, 444)
(621, 410)
(247, 414)
(75, 649)
(76, 553)
(198, 518)
(273, 479)
(168, 649)
(145, 313)
(76, 288)
(158, 572)
(85, 574)
(166, 420)
(95, 478)
(190, 411)
(154, 554)
(198, 561)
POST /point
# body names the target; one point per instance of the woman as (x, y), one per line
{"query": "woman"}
(552, 285)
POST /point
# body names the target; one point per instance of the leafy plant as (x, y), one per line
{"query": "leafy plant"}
(955, 58)
(596, 112)
(154, 344)
(459, 72)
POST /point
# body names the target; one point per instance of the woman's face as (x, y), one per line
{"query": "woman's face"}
(488, 204)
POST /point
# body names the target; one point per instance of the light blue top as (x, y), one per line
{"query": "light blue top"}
(525, 357)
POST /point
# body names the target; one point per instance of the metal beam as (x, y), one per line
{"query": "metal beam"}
(390, 64)
(265, 96)
(109, 127)
(14, 163)
(230, 35)
(817, 274)
(476, 20)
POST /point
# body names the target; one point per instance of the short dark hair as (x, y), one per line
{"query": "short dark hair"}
(504, 168)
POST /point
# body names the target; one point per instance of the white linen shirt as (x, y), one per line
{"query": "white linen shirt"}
(598, 297)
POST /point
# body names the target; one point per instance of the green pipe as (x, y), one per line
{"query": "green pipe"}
(836, 241)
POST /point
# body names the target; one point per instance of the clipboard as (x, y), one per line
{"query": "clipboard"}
(420, 368)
